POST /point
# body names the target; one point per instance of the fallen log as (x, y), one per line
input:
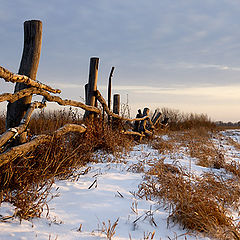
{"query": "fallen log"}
(11, 77)
(13, 132)
(21, 150)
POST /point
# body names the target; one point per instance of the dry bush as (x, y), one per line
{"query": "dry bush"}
(197, 203)
(26, 181)
(163, 146)
(182, 121)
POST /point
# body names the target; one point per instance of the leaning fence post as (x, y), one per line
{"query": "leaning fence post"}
(110, 91)
(28, 67)
(92, 85)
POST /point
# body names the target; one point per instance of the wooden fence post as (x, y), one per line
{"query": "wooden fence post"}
(28, 67)
(116, 103)
(116, 110)
(92, 85)
(110, 91)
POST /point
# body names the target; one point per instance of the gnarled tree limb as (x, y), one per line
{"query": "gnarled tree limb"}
(21, 150)
(29, 91)
(11, 77)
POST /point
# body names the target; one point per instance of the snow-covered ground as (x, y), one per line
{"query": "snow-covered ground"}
(104, 195)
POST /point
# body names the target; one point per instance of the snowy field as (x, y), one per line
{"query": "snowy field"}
(103, 194)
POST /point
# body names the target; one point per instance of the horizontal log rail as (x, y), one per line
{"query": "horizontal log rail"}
(12, 97)
(110, 113)
(44, 90)
(21, 150)
(12, 77)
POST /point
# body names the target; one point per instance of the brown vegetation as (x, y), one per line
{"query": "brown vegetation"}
(26, 181)
(197, 203)
(185, 121)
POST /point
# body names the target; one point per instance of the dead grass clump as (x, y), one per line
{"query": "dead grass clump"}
(103, 136)
(26, 181)
(197, 203)
(233, 167)
(162, 145)
(49, 121)
(185, 121)
(234, 143)
(199, 144)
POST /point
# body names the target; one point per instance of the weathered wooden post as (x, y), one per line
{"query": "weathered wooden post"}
(156, 118)
(116, 103)
(110, 91)
(28, 67)
(92, 85)
(116, 109)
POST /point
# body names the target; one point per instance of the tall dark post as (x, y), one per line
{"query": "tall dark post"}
(92, 85)
(28, 67)
(116, 110)
(110, 90)
(116, 103)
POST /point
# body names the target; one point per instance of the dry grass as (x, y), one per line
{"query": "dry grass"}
(49, 121)
(196, 142)
(202, 203)
(197, 203)
(201, 146)
(179, 121)
(234, 143)
(26, 182)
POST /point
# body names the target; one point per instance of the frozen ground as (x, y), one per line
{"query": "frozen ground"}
(105, 194)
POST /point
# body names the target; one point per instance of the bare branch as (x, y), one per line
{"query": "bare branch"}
(11, 77)
(29, 91)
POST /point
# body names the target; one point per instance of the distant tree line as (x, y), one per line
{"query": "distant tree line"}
(230, 124)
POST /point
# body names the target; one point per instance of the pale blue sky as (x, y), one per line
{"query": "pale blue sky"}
(183, 54)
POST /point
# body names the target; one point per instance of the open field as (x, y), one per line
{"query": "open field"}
(177, 185)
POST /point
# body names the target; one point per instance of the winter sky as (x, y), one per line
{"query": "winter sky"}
(182, 54)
